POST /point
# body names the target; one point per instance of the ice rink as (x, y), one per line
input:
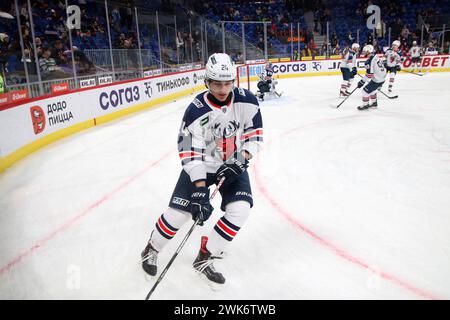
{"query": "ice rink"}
(348, 204)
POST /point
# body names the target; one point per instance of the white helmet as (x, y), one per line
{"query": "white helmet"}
(368, 49)
(396, 43)
(355, 46)
(220, 68)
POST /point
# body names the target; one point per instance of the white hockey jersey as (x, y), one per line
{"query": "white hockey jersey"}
(348, 59)
(393, 58)
(209, 134)
(375, 70)
(415, 51)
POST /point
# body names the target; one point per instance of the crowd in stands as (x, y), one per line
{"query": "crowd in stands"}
(346, 21)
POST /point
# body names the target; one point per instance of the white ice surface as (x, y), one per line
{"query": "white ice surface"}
(348, 204)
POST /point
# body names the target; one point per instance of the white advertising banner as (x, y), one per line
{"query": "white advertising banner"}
(23, 124)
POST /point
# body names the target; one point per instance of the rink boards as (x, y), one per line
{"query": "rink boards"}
(29, 126)
(436, 63)
(26, 127)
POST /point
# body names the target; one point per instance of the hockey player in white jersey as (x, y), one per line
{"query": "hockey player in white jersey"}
(348, 68)
(415, 52)
(266, 84)
(220, 132)
(393, 60)
(374, 78)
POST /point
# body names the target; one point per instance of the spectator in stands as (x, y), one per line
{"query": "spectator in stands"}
(350, 38)
(38, 43)
(334, 40)
(396, 28)
(58, 53)
(336, 50)
(47, 65)
(28, 52)
(446, 47)
(323, 22)
(180, 45)
(120, 41)
(317, 18)
(197, 51)
(323, 50)
(116, 19)
(5, 52)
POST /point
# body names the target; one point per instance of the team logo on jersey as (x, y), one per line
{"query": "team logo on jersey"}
(228, 131)
(226, 138)
(38, 119)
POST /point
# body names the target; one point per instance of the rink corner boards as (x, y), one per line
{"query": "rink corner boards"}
(56, 116)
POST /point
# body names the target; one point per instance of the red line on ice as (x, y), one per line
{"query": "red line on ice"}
(65, 226)
(327, 244)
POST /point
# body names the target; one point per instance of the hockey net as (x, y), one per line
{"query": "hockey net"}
(243, 76)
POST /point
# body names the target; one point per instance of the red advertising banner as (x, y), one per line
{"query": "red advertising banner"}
(60, 87)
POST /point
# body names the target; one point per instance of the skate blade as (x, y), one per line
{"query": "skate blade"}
(148, 277)
(216, 287)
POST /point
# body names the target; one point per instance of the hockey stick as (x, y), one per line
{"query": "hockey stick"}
(182, 244)
(389, 97)
(379, 89)
(417, 74)
(346, 97)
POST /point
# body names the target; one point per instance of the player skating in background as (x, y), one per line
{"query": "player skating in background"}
(348, 68)
(375, 77)
(415, 52)
(220, 132)
(393, 61)
(266, 84)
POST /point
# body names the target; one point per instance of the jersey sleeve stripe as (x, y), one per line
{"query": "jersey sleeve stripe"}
(257, 132)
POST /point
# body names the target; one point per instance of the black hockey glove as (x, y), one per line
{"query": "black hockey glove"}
(232, 168)
(354, 71)
(361, 83)
(201, 209)
(399, 68)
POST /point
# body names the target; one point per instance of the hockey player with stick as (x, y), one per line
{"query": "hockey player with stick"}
(266, 84)
(375, 77)
(348, 68)
(220, 132)
(415, 52)
(393, 60)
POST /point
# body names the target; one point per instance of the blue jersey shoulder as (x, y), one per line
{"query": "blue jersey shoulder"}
(244, 95)
(368, 62)
(196, 109)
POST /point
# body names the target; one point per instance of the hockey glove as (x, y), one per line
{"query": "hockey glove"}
(232, 168)
(201, 209)
(361, 83)
(399, 68)
(354, 71)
